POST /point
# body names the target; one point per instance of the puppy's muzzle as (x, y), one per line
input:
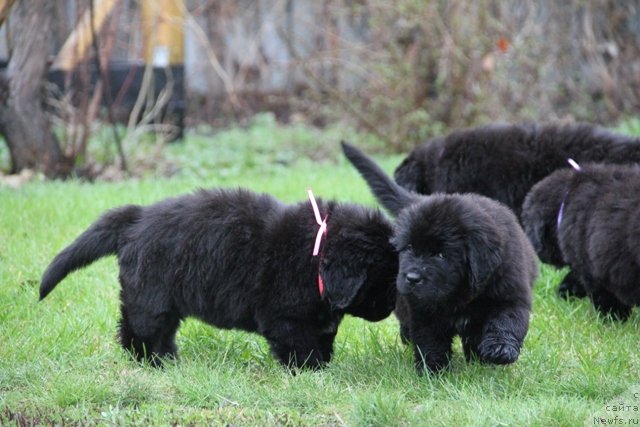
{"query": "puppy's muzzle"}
(412, 279)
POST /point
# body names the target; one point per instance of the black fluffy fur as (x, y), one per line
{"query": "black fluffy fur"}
(597, 235)
(236, 259)
(466, 268)
(503, 162)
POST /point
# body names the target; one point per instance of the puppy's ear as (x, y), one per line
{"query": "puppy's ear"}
(541, 219)
(534, 227)
(342, 282)
(409, 174)
(483, 252)
(344, 264)
(533, 222)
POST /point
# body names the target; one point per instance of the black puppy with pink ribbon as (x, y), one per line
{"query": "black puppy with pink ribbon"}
(241, 260)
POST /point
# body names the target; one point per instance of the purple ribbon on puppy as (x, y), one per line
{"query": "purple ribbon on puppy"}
(577, 167)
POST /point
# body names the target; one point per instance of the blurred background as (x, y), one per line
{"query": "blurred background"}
(400, 71)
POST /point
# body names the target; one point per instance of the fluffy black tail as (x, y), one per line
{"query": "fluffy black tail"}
(393, 197)
(99, 240)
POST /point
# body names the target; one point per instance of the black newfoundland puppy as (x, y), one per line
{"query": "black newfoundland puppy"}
(503, 162)
(466, 268)
(589, 220)
(236, 259)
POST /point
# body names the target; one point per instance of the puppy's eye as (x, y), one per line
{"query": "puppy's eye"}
(439, 255)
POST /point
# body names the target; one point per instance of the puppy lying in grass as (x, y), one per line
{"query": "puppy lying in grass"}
(241, 260)
(588, 218)
(466, 268)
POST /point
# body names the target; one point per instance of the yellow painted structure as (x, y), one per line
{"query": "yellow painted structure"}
(81, 39)
(163, 31)
(5, 8)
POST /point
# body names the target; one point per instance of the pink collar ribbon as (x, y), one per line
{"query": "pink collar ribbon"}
(322, 230)
(321, 222)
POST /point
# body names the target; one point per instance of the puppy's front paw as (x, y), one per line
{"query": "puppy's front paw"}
(497, 352)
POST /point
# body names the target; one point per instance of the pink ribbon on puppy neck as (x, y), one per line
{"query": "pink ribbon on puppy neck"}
(321, 222)
(322, 230)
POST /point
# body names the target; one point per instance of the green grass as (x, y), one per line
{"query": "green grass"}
(60, 363)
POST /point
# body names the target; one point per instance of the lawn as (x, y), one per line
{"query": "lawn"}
(60, 363)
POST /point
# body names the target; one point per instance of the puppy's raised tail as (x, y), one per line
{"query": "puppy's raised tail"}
(390, 195)
(99, 240)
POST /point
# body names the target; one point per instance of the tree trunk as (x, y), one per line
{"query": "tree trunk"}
(23, 122)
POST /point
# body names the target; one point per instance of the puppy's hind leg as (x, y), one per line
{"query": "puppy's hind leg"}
(571, 287)
(147, 335)
(298, 346)
(608, 305)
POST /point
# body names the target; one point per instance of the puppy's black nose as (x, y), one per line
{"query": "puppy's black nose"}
(413, 278)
